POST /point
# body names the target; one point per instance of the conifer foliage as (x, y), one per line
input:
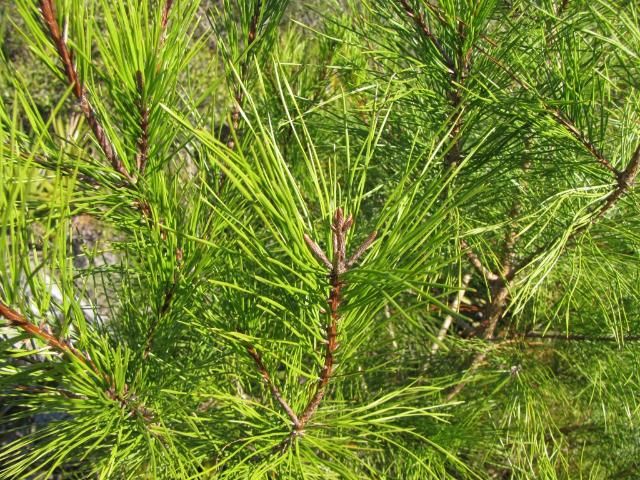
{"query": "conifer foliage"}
(247, 239)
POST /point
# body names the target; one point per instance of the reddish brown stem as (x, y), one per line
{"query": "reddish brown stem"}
(339, 266)
(143, 139)
(581, 138)
(418, 19)
(165, 14)
(335, 298)
(129, 402)
(275, 391)
(47, 8)
(19, 321)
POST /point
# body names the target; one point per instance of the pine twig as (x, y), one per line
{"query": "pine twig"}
(275, 391)
(47, 8)
(165, 15)
(560, 118)
(500, 286)
(339, 266)
(419, 20)
(455, 307)
(580, 337)
(476, 263)
(143, 139)
(626, 181)
(19, 321)
(556, 115)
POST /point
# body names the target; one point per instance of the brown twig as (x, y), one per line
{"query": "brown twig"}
(556, 115)
(500, 288)
(47, 8)
(419, 20)
(458, 72)
(339, 266)
(143, 139)
(275, 391)
(19, 321)
(127, 401)
(626, 180)
(476, 263)
(500, 284)
(238, 93)
(580, 137)
(165, 14)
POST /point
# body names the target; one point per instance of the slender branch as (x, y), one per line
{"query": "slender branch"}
(165, 15)
(455, 307)
(626, 181)
(127, 401)
(275, 391)
(580, 137)
(337, 268)
(143, 139)
(339, 228)
(500, 286)
(238, 93)
(19, 321)
(580, 337)
(362, 248)
(475, 261)
(556, 115)
(419, 20)
(47, 8)
(317, 251)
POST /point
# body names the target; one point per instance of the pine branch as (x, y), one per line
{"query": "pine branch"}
(455, 307)
(340, 265)
(580, 338)
(275, 391)
(165, 15)
(581, 138)
(62, 346)
(476, 263)
(143, 140)
(556, 115)
(127, 401)
(339, 228)
(419, 20)
(626, 181)
(500, 286)
(47, 8)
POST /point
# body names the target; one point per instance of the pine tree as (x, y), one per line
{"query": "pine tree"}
(352, 239)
